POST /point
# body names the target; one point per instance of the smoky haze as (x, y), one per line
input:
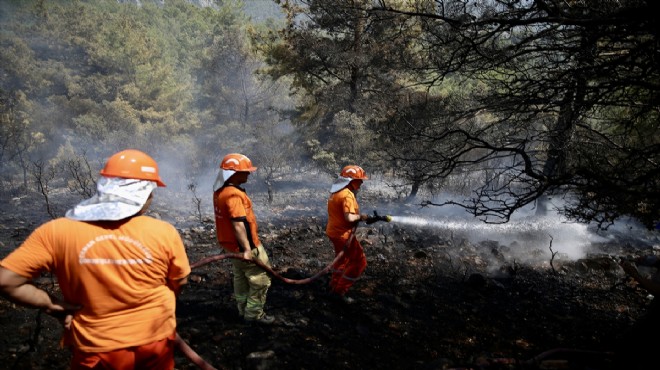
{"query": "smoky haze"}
(189, 168)
(527, 236)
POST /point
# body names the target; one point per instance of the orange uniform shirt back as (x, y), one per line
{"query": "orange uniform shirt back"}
(231, 202)
(339, 203)
(117, 271)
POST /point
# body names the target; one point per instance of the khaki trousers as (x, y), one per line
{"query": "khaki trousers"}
(251, 284)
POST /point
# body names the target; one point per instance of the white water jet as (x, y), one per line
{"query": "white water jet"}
(568, 238)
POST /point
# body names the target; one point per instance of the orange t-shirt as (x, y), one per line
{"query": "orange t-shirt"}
(117, 271)
(231, 203)
(339, 203)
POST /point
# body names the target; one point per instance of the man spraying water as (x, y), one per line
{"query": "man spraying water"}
(343, 218)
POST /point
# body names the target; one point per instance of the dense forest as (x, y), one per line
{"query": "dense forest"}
(81, 80)
(490, 107)
(500, 103)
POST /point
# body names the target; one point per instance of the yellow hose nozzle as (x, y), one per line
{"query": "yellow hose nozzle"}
(375, 218)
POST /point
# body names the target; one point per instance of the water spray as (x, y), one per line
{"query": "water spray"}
(514, 226)
(571, 238)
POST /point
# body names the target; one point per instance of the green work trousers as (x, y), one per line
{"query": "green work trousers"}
(251, 284)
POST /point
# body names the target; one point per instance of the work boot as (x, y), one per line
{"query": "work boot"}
(263, 320)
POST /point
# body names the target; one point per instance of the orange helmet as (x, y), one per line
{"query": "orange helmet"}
(237, 162)
(354, 172)
(132, 164)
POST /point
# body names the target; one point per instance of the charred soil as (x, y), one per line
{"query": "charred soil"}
(428, 300)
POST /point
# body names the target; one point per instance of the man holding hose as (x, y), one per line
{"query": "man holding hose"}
(119, 271)
(343, 216)
(236, 229)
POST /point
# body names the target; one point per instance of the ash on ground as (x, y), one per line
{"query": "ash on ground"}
(430, 298)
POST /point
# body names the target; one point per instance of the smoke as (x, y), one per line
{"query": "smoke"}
(570, 239)
(307, 196)
(525, 234)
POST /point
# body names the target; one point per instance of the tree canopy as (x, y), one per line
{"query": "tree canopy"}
(171, 78)
(498, 103)
(530, 98)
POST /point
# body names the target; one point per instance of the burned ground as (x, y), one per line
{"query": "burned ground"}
(429, 299)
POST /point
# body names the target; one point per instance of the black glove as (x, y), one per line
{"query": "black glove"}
(375, 218)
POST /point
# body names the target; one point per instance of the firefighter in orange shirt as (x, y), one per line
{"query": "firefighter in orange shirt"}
(343, 216)
(119, 271)
(236, 229)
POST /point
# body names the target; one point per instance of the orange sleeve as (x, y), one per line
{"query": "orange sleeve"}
(350, 205)
(235, 207)
(33, 256)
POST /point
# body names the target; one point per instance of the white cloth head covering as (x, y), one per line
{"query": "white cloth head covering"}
(340, 183)
(115, 199)
(222, 177)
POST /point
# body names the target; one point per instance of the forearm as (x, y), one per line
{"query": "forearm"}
(241, 236)
(18, 289)
(354, 217)
(28, 295)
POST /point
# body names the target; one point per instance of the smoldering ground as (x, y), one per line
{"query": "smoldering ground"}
(432, 296)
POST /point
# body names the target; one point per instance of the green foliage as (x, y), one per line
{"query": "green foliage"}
(344, 68)
(326, 160)
(18, 137)
(105, 76)
(525, 96)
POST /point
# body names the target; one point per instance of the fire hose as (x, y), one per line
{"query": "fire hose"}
(190, 354)
(188, 351)
(268, 269)
(198, 360)
(370, 220)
